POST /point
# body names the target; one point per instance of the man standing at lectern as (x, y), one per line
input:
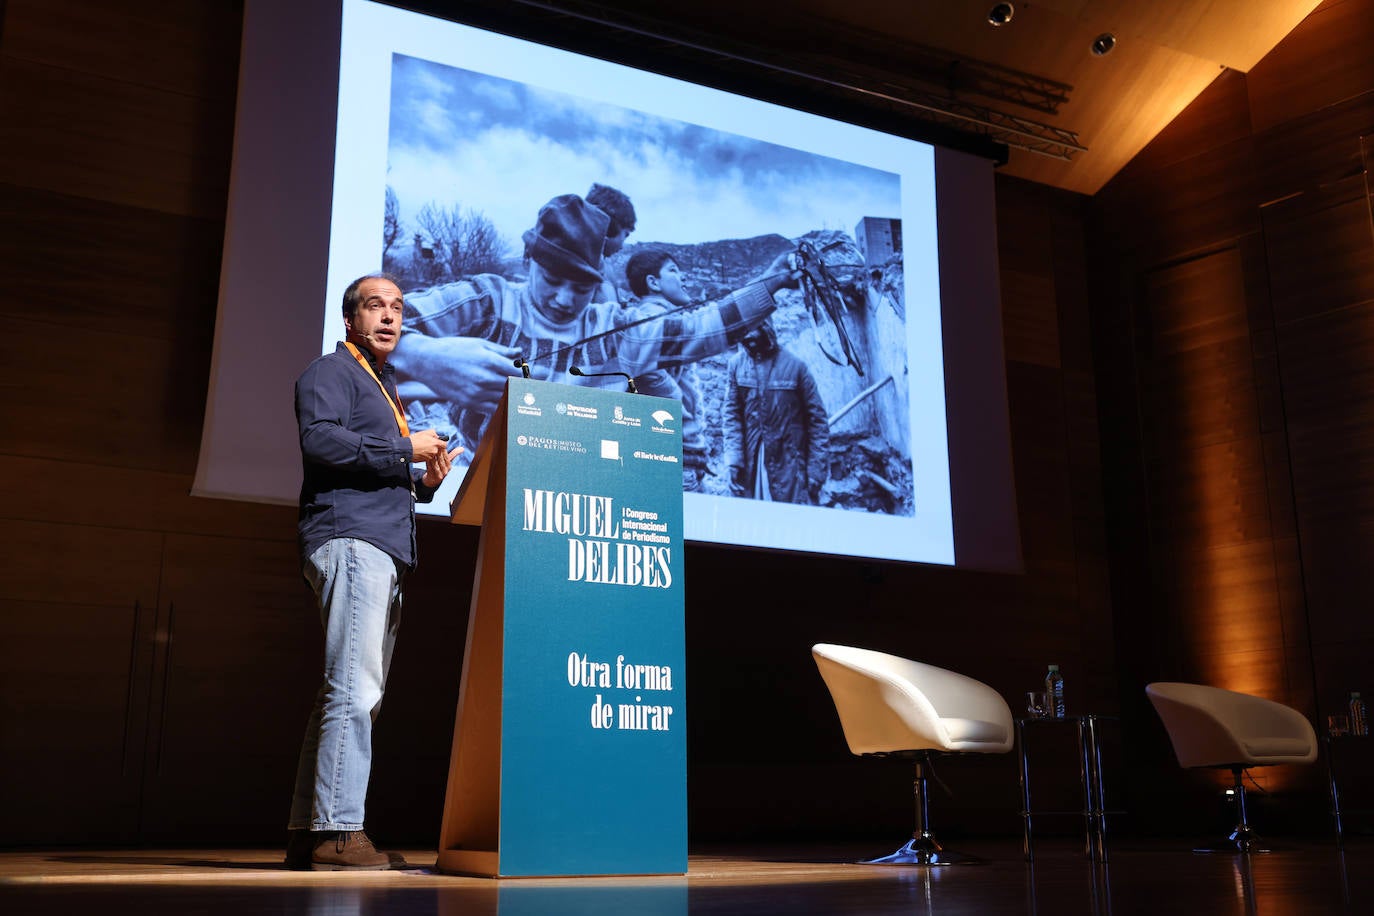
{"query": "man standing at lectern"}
(357, 538)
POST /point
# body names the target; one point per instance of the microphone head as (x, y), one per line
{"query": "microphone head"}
(519, 362)
(573, 370)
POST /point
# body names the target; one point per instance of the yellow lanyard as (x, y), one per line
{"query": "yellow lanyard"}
(395, 406)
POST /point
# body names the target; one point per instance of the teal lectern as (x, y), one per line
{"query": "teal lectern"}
(569, 748)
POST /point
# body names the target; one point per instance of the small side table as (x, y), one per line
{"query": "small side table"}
(1089, 776)
(1356, 749)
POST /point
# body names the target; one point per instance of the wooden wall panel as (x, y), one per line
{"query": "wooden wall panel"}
(116, 127)
(1313, 151)
(1204, 458)
(1056, 439)
(76, 609)
(1188, 505)
(1091, 576)
(110, 269)
(1190, 208)
(1329, 391)
(91, 124)
(1329, 388)
(1255, 442)
(1321, 63)
(1202, 396)
(79, 564)
(184, 48)
(1194, 304)
(1026, 300)
(1042, 473)
(1216, 119)
(1342, 665)
(1223, 597)
(1219, 597)
(135, 416)
(126, 296)
(1025, 252)
(81, 492)
(106, 140)
(1321, 251)
(70, 721)
(241, 666)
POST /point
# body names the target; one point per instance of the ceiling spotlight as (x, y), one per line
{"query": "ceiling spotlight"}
(1001, 14)
(1103, 43)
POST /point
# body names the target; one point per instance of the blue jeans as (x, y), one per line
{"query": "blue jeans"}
(358, 588)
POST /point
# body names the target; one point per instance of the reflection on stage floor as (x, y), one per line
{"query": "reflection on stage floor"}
(1159, 876)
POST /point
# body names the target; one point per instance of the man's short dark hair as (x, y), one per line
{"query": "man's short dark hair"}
(643, 264)
(352, 298)
(615, 205)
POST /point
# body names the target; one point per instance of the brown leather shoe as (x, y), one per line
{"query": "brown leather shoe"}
(349, 850)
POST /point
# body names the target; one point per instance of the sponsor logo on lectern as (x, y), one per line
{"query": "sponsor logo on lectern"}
(528, 408)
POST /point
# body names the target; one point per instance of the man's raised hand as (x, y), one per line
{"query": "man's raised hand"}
(427, 446)
(437, 470)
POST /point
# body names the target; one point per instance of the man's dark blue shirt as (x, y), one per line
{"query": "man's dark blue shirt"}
(357, 476)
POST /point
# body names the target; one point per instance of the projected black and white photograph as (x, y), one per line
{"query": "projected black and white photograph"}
(498, 193)
(775, 271)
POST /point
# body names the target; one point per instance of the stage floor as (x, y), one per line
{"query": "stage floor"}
(1158, 877)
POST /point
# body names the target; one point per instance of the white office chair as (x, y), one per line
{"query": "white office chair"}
(891, 706)
(1211, 727)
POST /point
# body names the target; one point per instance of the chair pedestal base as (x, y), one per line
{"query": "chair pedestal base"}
(924, 850)
(1241, 840)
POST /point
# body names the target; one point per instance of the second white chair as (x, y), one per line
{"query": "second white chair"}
(892, 706)
(1212, 727)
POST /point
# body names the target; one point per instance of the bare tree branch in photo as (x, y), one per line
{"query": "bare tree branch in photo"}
(391, 221)
(484, 246)
(465, 242)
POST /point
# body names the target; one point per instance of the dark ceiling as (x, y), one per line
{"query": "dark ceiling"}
(1030, 91)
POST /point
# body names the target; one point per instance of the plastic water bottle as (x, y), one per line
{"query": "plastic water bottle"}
(1054, 693)
(1359, 715)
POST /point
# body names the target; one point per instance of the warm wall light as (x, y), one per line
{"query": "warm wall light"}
(1103, 43)
(1001, 14)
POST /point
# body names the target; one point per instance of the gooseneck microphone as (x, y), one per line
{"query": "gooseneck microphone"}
(629, 380)
(523, 366)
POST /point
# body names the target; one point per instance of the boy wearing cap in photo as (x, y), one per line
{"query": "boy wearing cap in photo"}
(616, 205)
(657, 283)
(463, 338)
